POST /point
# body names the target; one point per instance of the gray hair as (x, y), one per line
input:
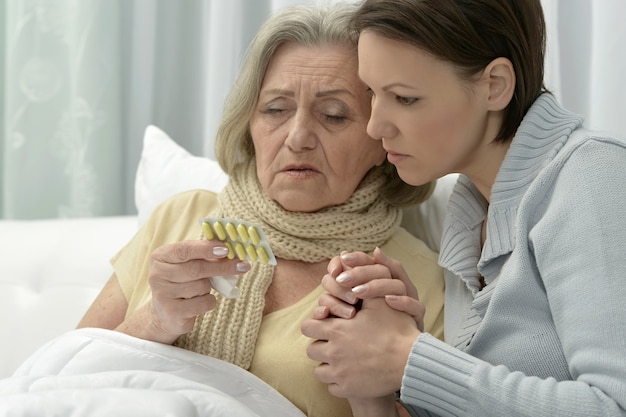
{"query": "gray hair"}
(303, 25)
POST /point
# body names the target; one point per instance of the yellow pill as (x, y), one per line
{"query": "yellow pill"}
(231, 230)
(240, 251)
(219, 229)
(251, 253)
(262, 255)
(206, 230)
(231, 252)
(243, 232)
(254, 235)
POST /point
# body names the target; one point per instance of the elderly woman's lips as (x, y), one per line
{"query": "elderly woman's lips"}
(300, 172)
(302, 167)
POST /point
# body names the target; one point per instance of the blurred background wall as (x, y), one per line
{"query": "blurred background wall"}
(81, 79)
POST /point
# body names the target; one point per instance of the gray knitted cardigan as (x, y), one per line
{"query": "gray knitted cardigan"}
(547, 335)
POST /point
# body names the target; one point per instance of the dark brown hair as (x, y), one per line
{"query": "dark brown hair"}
(470, 34)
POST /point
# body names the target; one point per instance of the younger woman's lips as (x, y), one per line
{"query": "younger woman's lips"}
(395, 158)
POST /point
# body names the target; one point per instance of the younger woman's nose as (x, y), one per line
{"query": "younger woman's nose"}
(378, 126)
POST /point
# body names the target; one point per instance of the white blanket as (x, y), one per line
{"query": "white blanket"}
(96, 372)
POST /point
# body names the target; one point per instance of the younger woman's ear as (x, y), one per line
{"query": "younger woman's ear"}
(500, 76)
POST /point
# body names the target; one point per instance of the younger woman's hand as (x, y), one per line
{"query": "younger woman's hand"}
(362, 358)
(386, 406)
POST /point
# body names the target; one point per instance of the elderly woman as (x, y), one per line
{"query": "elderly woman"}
(293, 141)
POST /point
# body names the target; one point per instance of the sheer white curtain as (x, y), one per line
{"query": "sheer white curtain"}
(586, 60)
(81, 79)
(59, 83)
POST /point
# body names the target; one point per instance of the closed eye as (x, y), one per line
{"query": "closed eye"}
(335, 119)
(273, 111)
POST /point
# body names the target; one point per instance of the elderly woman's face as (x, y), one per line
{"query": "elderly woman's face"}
(309, 128)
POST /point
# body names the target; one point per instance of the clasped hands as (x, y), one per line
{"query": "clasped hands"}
(363, 353)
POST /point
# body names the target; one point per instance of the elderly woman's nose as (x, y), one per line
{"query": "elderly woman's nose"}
(302, 134)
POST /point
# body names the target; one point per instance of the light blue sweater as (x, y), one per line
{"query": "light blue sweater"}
(547, 335)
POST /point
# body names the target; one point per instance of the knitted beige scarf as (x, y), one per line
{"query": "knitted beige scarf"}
(364, 222)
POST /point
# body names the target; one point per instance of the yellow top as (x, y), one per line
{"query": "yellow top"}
(280, 355)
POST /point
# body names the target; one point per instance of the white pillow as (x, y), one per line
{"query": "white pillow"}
(166, 169)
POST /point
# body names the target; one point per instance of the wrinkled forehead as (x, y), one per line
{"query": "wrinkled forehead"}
(326, 66)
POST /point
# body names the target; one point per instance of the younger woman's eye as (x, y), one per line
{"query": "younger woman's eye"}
(407, 101)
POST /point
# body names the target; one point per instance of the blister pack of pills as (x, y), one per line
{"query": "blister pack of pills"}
(244, 240)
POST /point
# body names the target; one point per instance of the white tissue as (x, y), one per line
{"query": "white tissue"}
(227, 286)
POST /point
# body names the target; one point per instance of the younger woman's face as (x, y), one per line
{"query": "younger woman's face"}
(431, 121)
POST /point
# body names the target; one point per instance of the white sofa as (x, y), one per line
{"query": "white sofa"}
(51, 270)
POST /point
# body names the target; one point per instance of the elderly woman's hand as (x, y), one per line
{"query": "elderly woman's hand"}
(357, 276)
(180, 281)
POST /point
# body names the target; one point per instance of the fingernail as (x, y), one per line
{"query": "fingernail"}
(243, 267)
(344, 277)
(220, 251)
(359, 289)
(392, 297)
(346, 312)
(348, 256)
(350, 297)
